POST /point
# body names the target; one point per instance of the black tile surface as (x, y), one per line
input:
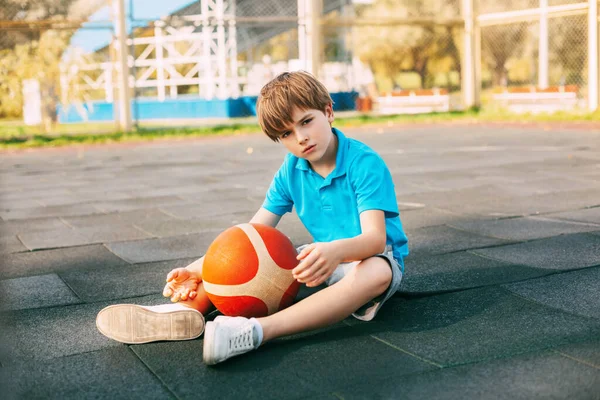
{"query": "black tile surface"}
(476, 325)
(544, 375)
(46, 333)
(45, 261)
(590, 215)
(139, 203)
(182, 227)
(117, 218)
(170, 248)
(445, 239)
(119, 282)
(35, 292)
(11, 228)
(461, 270)
(11, 244)
(114, 373)
(561, 252)
(478, 316)
(577, 292)
(46, 212)
(81, 236)
(199, 209)
(180, 367)
(428, 216)
(523, 228)
(586, 353)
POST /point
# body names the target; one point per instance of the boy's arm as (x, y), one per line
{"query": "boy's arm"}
(265, 217)
(371, 241)
(319, 260)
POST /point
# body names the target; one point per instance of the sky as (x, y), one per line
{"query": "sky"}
(91, 39)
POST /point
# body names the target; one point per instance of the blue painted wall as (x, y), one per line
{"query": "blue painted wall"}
(185, 108)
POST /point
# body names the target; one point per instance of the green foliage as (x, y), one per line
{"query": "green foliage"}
(422, 49)
(34, 60)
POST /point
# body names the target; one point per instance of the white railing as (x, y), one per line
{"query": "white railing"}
(414, 102)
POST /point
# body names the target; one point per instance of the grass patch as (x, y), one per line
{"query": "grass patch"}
(14, 135)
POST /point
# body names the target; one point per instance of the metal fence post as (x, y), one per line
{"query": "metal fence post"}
(316, 36)
(122, 66)
(543, 46)
(593, 50)
(471, 43)
(309, 34)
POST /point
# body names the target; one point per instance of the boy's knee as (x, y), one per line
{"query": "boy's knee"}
(378, 273)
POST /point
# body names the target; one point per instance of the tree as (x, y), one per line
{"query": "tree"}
(41, 10)
(34, 60)
(500, 43)
(404, 47)
(36, 53)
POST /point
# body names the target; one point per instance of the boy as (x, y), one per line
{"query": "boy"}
(344, 195)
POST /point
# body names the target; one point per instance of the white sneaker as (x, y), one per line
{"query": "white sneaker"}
(226, 337)
(133, 324)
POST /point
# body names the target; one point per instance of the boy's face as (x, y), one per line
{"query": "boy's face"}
(310, 135)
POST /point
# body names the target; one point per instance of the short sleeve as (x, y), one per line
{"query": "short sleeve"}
(373, 185)
(278, 199)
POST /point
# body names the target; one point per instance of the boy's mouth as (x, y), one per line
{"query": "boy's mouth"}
(309, 149)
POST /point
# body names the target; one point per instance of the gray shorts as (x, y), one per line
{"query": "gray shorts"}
(369, 310)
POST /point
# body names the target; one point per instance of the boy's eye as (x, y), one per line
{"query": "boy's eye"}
(285, 134)
(306, 121)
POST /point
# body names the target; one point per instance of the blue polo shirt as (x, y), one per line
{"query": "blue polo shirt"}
(330, 207)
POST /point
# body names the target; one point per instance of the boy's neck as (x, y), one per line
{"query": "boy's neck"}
(328, 163)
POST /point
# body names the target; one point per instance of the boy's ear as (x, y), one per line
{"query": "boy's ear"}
(329, 113)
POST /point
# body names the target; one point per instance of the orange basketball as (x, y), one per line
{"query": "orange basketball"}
(247, 271)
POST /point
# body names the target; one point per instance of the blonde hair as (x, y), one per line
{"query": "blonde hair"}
(283, 94)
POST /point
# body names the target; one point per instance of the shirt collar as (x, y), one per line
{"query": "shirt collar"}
(340, 165)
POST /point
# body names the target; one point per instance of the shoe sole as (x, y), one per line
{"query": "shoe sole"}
(133, 324)
(209, 335)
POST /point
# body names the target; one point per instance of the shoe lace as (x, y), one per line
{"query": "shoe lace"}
(242, 340)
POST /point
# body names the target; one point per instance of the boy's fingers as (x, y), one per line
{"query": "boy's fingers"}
(172, 275)
(305, 274)
(305, 265)
(308, 260)
(301, 255)
(308, 275)
(305, 251)
(167, 291)
(317, 277)
(193, 294)
(312, 284)
(175, 298)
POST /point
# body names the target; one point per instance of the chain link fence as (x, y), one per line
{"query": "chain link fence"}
(547, 53)
(568, 48)
(383, 51)
(509, 55)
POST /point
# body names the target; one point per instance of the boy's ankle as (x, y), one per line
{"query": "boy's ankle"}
(258, 334)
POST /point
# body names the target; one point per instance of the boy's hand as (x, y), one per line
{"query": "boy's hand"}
(319, 260)
(181, 285)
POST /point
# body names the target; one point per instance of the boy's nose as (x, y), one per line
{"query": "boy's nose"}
(301, 138)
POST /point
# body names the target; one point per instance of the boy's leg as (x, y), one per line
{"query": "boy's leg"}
(201, 302)
(369, 279)
(226, 337)
(134, 324)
